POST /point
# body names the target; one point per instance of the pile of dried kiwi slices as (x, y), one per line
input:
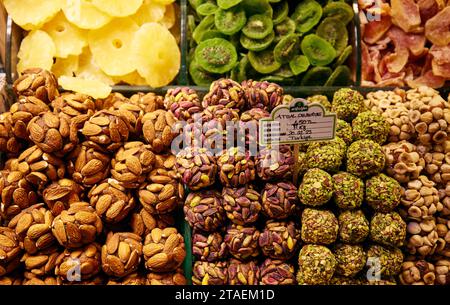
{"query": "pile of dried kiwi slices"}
(286, 41)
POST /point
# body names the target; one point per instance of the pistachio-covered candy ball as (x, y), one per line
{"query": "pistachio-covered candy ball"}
(353, 226)
(316, 188)
(370, 125)
(347, 103)
(388, 229)
(383, 193)
(319, 227)
(321, 99)
(348, 191)
(317, 265)
(365, 158)
(387, 260)
(350, 259)
(326, 155)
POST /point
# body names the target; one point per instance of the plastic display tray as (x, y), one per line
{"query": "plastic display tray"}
(14, 35)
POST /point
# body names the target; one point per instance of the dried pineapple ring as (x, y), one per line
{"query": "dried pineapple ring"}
(157, 54)
(118, 8)
(88, 69)
(149, 12)
(169, 16)
(111, 46)
(165, 2)
(36, 51)
(32, 14)
(94, 88)
(133, 79)
(68, 39)
(65, 66)
(84, 14)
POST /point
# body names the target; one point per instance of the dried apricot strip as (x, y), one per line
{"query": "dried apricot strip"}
(405, 14)
(437, 29)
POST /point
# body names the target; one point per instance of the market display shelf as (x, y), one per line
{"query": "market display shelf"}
(14, 36)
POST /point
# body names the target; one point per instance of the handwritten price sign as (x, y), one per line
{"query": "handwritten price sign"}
(297, 123)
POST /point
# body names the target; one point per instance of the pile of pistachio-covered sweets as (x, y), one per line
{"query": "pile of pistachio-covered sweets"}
(252, 225)
(350, 228)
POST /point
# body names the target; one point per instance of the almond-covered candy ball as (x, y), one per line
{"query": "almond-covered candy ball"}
(121, 254)
(77, 226)
(79, 265)
(164, 250)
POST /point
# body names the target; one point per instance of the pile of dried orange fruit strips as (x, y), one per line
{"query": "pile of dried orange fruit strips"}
(91, 45)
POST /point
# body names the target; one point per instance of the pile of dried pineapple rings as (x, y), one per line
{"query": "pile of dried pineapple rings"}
(91, 45)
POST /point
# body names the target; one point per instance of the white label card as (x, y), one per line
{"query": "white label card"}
(297, 123)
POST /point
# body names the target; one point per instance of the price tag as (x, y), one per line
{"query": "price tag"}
(297, 123)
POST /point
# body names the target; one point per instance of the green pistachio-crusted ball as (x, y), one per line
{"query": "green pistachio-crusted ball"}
(348, 191)
(370, 125)
(337, 143)
(388, 229)
(319, 227)
(347, 103)
(387, 260)
(317, 265)
(316, 188)
(383, 193)
(321, 99)
(344, 131)
(353, 226)
(326, 155)
(365, 158)
(350, 259)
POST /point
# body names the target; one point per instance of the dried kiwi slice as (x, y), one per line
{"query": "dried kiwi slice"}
(226, 4)
(216, 55)
(319, 51)
(199, 76)
(207, 9)
(335, 32)
(230, 21)
(280, 12)
(257, 44)
(344, 55)
(239, 72)
(258, 26)
(286, 49)
(253, 7)
(341, 76)
(316, 76)
(306, 15)
(263, 62)
(284, 28)
(299, 64)
(206, 24)
(212, 34)
(340, 10)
